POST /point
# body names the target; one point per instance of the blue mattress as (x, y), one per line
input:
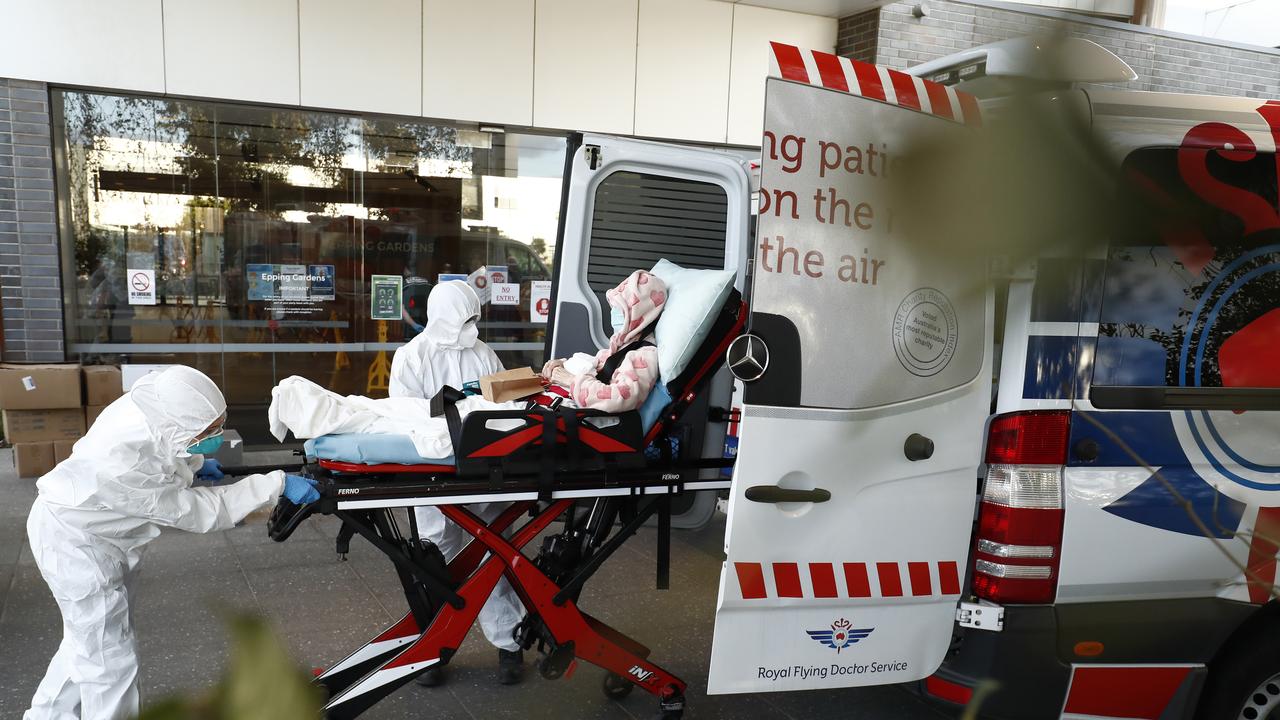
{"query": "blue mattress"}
(372, 449)
(369, 449)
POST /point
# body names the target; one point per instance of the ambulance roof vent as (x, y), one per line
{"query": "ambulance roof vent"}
(1041, 59)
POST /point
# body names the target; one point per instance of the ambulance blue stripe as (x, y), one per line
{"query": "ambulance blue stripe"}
(1217, 464)
(1152, 504)
(1148, 432)
(1244, 463)
(1151, 436)
(1054, 370)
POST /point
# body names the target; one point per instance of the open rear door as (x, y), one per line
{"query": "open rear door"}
(868, 383)
(628, 203)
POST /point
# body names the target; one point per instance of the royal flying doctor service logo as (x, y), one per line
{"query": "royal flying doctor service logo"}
(841, 635)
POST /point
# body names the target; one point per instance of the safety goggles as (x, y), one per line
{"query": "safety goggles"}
(205, 436)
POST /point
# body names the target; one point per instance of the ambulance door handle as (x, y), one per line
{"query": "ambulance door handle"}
(775, 494)
(917, 447)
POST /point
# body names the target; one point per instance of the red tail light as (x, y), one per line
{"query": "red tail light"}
(1019, 538)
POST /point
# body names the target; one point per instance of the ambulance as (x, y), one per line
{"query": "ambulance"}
(1050, 488)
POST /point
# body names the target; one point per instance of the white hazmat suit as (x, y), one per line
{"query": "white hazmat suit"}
(449, 352)
(130, 475)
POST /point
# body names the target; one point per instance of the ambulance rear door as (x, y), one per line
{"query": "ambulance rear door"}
(867, 370)
(627, 204)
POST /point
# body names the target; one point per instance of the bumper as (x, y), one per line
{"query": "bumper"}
(1032, 660)
(1021, 661)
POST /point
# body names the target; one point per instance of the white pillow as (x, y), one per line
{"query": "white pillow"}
(694, 299)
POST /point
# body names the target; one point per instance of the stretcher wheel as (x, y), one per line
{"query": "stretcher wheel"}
(617, 687)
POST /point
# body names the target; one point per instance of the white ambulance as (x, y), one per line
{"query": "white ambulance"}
(1114, 406)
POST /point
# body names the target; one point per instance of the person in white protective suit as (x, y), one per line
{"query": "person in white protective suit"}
(130, 475)
(449, 352)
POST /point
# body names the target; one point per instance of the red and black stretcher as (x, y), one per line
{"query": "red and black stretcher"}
(585, 469)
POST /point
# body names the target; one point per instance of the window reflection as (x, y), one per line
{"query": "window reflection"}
(262, 228)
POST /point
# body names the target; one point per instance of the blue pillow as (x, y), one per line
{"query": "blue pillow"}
(694, 299)
(658, 400)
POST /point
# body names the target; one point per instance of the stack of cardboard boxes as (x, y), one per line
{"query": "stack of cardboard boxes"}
(48, 407)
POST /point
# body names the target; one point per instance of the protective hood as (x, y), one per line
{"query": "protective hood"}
(178, 403)
(449, 307)
(640, 298)
(449, 351)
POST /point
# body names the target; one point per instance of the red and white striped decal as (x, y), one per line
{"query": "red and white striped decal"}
(1262, 555)
(872, 81)
(760, 581)
(1134, 692)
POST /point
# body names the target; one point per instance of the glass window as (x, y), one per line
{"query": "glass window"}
(639, 218)
(242, 240)
(1191, 298)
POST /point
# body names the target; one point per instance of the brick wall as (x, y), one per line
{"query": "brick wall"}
(857, 35)
(1164, 62)
(30, 287)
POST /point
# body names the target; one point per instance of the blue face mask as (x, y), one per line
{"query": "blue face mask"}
(206, 446)
(616, 319)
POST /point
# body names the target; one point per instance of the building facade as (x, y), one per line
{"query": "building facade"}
(218, 184)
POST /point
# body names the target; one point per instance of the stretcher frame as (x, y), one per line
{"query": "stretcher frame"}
(564, 461)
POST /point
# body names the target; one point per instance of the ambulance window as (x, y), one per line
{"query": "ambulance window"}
(1191, 298)
(639, 218)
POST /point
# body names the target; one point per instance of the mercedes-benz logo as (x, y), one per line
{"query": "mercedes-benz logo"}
(747, 357)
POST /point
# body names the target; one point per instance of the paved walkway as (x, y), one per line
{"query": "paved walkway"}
(324, 608)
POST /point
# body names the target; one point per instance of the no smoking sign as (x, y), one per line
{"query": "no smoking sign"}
(142, 287)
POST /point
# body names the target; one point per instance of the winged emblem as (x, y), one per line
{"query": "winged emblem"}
(841, 635)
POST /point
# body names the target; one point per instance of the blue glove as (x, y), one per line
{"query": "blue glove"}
(300, 490)
(210, 470)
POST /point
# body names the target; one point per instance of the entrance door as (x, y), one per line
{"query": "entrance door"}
(868, 382)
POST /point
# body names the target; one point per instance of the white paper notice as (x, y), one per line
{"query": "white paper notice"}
(539, 301)
(293, 282)
(142, 286)
(506, 294)
(479, 281)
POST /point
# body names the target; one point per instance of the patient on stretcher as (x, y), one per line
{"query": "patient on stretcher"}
(622, 375)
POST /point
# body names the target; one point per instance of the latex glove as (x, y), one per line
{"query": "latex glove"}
(210, 470)
(550, 368)
(300, 490)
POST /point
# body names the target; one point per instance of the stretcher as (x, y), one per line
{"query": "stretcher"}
(583, 468)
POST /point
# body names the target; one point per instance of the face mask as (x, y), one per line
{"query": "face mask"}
(616, 319)
(206, 446)
(469, 334)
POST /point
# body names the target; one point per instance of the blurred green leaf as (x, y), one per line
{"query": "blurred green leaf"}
(261, 683)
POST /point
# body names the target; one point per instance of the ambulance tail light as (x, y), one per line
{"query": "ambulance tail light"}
(1019, 539)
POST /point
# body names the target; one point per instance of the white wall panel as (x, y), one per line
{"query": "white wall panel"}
(682, 69)
(236, 49)
(753, 29)
(477, 60)
(585, 65)
(365, 56)
(115, 44)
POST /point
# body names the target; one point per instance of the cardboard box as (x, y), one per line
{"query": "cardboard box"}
(102, 384)
(34, 426)
(33, 459)
(510, 385)
(62, 450)
(91, 413)
(39, 387)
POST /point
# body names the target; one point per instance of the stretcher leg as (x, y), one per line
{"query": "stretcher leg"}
(450, 625)
(406, 630)
(591, 640)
